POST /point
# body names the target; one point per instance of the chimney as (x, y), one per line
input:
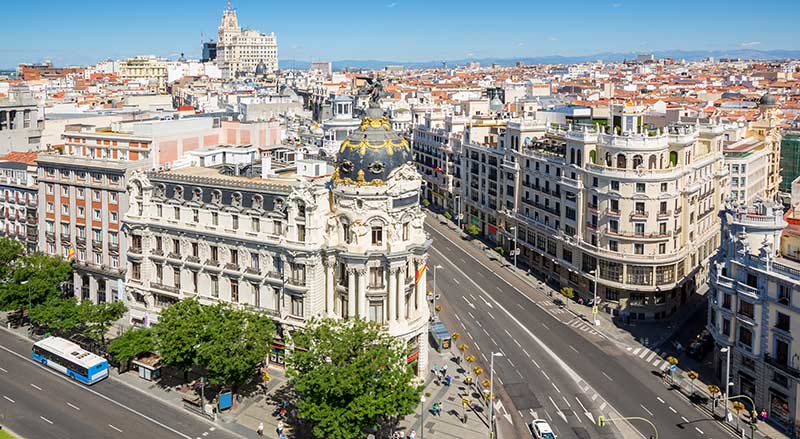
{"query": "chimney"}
(266, 164)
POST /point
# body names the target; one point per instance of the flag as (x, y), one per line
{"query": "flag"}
(437, 169)
(71, 254)
(420, 272)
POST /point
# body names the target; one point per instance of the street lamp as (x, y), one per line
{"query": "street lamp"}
(29, 295)
(491, 392)
(457, 201)
(594, 301)
(727, 351)
(422, 414)
(434, 289)
(514, 252)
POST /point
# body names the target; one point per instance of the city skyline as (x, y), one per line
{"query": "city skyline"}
(624, 27)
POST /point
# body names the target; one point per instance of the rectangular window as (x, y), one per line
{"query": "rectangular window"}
(96, 195)
(346, 232)
(640, 187)
(196, 215)
(96, 215)
(176, 246)
(176, 277)
(376, 311)
(214, 252)
(406, 229)
(234, 291)
(376, 277)
(136, 270)
(113, 217)
(746, 309)
(614, 185)
(255, 223)
(301, 233)
(613, 246)
(726, 327)
(638, 249)
(297, 306)
(160, 273)
(235, 222)
(377, 235)
(254, 261)
(195, 281)
(638, 229)
(782, 321)
(234, 256)
(177, 213)
(214, 286)
(726, 301)
(215, 218)
(745, 337)
(256, 291)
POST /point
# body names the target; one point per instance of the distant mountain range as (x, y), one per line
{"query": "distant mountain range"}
(689, 55)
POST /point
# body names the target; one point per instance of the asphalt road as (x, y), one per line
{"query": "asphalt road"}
(39, 403)
(550, 369)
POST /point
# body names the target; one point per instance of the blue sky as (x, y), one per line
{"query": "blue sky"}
(81, 32)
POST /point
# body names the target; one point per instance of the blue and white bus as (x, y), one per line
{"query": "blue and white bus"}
(70, 359)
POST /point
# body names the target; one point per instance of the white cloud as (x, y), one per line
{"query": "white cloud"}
(520, 44)
(471, 55)
(391, 5)
(552, 39)
(751, 44)
(616, 5)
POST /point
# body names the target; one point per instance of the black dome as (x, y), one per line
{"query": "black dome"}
(261, 68)
(370, 153)
(767, 99)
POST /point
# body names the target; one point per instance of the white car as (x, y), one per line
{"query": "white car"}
(540, 429)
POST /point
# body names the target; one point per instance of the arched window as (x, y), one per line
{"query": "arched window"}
(608, 159)
(637, 161)
(579, 156)
(571, 155)
(593, 156)
(652, 162)
(622, 162)
(673, 158)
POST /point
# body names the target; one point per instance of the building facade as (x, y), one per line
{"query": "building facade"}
(631, 208)
(294, 245)
(753, 311)
(240, 51)
(790, 159)
(20, 129)
(147, 70)
(19, 198)
(437, 144)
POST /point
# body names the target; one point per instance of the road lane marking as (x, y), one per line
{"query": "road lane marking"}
(501, 381)
(473, 297)
(644, 352)
(115, 428)
(636, 351)
(515, 341)
(603, 405)
(545, 375)
(684, 419)
(520, 306)
(456, 281)
(487, 334)
(470, 315)
(650, 358)
(648, 411)
(555, 387)
(490, 314)
(9, 399)
(457, 317)
(479, 323)
(98, 394)
(73, 406)
(672, 410)
(571, 347)
(545, 326)
(699, 430)
(526, 353)
(4, 371)
(468, 303)
(609, 378)
(510, 362)
(484, 357)
(567, 401)
(507, 333)
(535, 363)
(46, 420)
(36, 387)
(520, 375)
(659, 399)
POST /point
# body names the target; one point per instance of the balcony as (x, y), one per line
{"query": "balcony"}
(191, 259)
(591, 226)
(65, 237)
(664, 214)
(212, 262)
(230, 266)
(612, 212)
(137, 250)
(252, 270)
(782, 364)
(639, 214)
(158, 252)
(592, 208)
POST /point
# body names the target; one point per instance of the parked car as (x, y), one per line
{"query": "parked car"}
(540, 429)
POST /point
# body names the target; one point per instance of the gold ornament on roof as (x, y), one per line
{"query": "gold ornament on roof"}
(375, 122)
(363, 144)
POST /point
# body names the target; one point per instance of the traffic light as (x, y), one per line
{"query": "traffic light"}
(601, 421)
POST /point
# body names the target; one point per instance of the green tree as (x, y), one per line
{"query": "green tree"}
(10, 251)
(179, 332)
(35, 278)
(473, 230)
(98, 318)
(236, 342)
(132, 343)
(350, 375)
(57, 314)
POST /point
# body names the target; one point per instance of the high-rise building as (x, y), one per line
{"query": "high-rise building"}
(753, 311)
(20, 129)
(240, 51)
(18, 198)
(790, 159)
(260, 228)
(767, 129)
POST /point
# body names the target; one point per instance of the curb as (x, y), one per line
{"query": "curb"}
(11, 432)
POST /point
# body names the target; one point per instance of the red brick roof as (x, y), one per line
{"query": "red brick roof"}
(29, 158)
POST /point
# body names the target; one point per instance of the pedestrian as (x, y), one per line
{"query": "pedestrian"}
(280, 428)
(764, 415)
(440, 408)
(413, 434)
(447, 380)
(260, 429)
(435, 409)
(444, 370)
(436, 369)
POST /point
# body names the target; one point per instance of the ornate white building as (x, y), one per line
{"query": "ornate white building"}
(282, 240)
(241, 52)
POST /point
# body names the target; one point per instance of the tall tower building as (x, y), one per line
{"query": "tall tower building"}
(767, 129)
(240, 51)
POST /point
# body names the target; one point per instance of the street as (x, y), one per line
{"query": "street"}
(553, 368)
(37, 402)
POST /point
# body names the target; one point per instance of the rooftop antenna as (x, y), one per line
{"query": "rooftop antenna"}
(229, 5)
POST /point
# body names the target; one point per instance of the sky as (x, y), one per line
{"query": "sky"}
(71, 32)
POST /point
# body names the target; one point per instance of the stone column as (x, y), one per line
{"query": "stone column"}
(330, 288)
(401, 293)
(362, 294)
(421, 285)
(351, 293)
(392, 299)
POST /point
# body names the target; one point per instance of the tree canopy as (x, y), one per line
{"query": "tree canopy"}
(350, 375)
(179, 331)
(57, 314)
(236, 342)
(98, 318)
(132, 343)
(34, 278)
(10, 251)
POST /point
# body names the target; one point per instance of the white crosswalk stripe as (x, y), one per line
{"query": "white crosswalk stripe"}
(636, 351)
(644, 352)
(650, 358)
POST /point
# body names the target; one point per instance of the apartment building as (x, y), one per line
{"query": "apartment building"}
(146, 70)
(766, 128)
(240, 51)
(437, 144)
(629, 207)
(748, 163)
(753, 311)
(283, 238)
(18, 198)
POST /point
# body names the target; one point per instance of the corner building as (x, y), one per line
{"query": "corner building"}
(276, 239)
(638, 205)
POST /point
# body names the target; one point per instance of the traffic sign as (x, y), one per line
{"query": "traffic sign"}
(594, 309)
(673, 367)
